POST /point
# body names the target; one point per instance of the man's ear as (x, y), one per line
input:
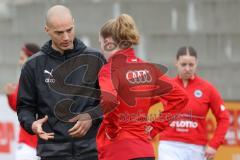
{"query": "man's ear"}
(46, 28)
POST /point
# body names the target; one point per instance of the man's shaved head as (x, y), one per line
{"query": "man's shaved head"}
(57, 12)
(60, 27)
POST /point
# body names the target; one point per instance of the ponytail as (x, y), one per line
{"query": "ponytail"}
(123, 30)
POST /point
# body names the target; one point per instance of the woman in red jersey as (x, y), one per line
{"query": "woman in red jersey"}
(186, 137)
(129, 87)
(26, 149)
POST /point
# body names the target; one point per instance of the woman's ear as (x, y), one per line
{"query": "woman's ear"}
(106, 40)
(109, 44)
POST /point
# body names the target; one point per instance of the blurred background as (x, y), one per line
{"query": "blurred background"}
(212, 27)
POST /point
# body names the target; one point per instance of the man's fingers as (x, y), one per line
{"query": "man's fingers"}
(43, 137)
(74, 119)
(37, 128)
(75, 127)
(77, 133)
(78, 129)
(40, 132)
(50, 134)
(81, 117)
(37, 125)
(46, 136)
(44, 119)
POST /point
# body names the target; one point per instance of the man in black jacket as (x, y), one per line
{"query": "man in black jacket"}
(56, 84)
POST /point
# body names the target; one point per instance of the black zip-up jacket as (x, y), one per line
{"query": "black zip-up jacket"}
(48, 79)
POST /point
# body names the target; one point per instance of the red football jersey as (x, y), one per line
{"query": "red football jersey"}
(129, 88)
(190, 126)
(24, 137)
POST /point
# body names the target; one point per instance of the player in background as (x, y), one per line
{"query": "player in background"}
(26, 149)
(186, 137)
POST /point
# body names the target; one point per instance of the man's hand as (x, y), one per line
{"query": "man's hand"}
(83, 124)
(210, 153)
(10, 88)
(37, 129)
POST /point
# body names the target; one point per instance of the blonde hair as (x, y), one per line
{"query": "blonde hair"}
(121, 29)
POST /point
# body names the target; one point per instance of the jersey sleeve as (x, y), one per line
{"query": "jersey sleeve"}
(222, 117)
(12, 99)
(173, 102)
(109, 101)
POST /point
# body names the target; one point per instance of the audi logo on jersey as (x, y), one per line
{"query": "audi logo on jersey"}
(139, 76)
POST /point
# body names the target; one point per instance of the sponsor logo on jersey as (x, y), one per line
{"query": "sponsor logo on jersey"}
(222, 107)
(198, 93)
(49, 79)
(183, 124)
(138, 77)
(49, 73)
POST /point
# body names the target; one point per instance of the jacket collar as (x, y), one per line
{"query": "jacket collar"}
(191, 80)
(129, 52)
(79, 46)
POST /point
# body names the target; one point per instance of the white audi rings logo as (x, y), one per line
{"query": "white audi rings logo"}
(138, 76)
